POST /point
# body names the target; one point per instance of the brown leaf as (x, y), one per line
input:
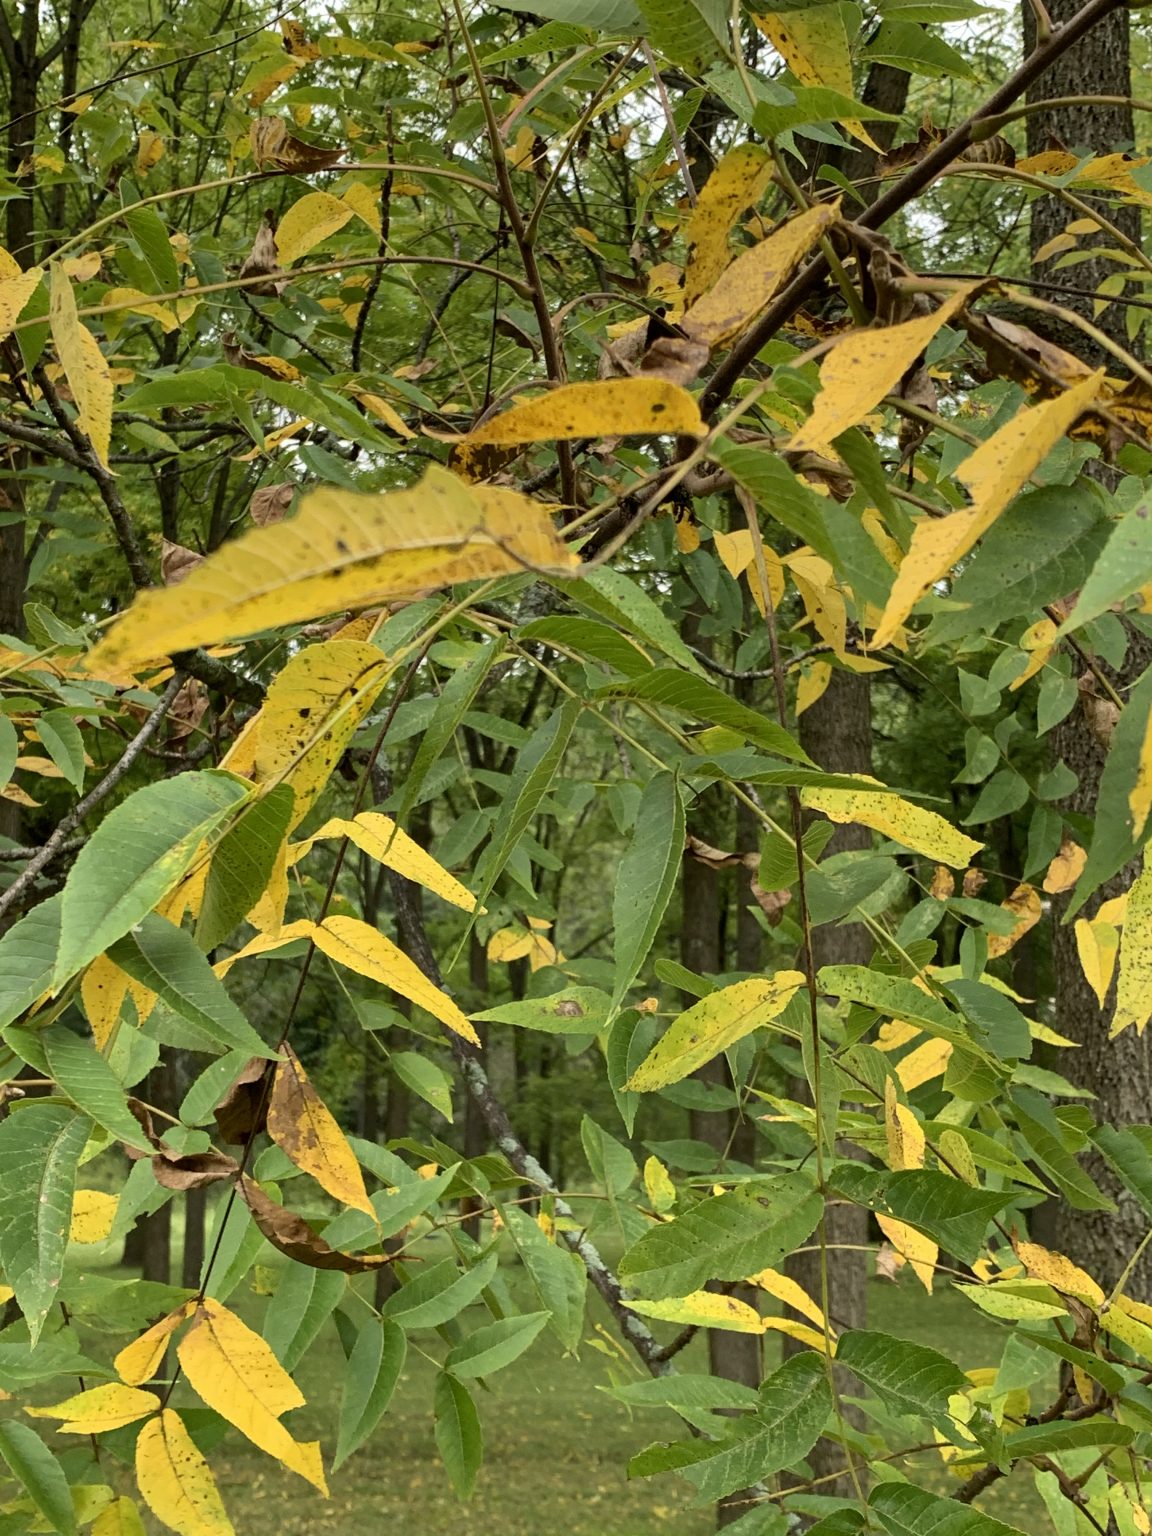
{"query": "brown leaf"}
(1018, 353)
(1100, 713)
(176, 562)
(974, 882)
(241, 1112)
(194, 1169)
(715, 858)
(270, 503)
(303, 1127)
(261, 260)
(188, 709)
(675, 358)
(771, 903)
(944, 883)
(274, 148)
(270, 367)
(292, 1236)
(143, 1116)
(888, 1262)
(1066, 868)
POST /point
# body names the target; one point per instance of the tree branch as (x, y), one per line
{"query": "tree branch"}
(56, 843)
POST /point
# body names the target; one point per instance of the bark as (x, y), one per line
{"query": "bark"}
(475, 1140)
(1117, 1071)
(836, 732)
(192, 1254)
(1099, 64)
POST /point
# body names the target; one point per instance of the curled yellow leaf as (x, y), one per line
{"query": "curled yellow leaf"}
(738, 182)
(139, 1361)
(704, 1309)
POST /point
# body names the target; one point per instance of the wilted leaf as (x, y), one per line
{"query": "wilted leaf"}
(304, 1129)
(1026, 907)
(291, 1235)
(270, 503)
(193, 1170)
(273, 147)
(1066, 868)
(235, 1372)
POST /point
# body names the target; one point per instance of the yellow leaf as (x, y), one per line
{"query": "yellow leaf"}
(659, 1186)
(750, 283)
(864, 366)
(386, 413)
(1097, 945)
(813, 684)
(895, 1033)
(93, 1213)
(735, 549)
(120, 1518)
(738, 182)
(311, 712)
(341, 550)
(960, 1162)
(905, 1134)
(302, 928)
(85, 366)
(607, 408)
(1066, 868)
(813, 43)
(1026, 906)
(795, 1330)
(1140, 796)
(136, 302)
(381, 839)
(139, 1361)
(81, 268)
(1059, 1272)
(704, 1309)
(310, 220)
(1134, 983)
(107, 1407)
(304, 1129)
(712, 1025)
(923, 1064)
(149, 151)
(911, 825)
(103, 988)
(16, 288)
(267, 916)
(364, 202)
(912, 1247)
(234, 1371)
(176, 1482)
(993, 473)
(274, 440)
(786, 1290)
(369, 953)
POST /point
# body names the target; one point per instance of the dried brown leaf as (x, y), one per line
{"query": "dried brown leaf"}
(240, 1113)
(275, 148)
(293, 1237)
(176, 562)
(193, 1170)
(270, 503)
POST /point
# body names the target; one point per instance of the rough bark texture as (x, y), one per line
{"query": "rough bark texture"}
(836, 732)
(1118, 1071)
(1098, 64)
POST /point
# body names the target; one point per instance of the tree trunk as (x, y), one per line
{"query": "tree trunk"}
(192, 1255)
(475, 1138)
(836, 732)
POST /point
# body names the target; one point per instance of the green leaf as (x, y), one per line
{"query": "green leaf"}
(1129, 1152)
(242, 864)
(370, 1378)
(726, 1237)
(457, 698)
(40, 1147)
(612, 595)
(304, 1300)
(168, 960)
(1113, 839)
(63, 743)
(784, 497)
(1041, 1129)
(793, 1408)
(690, 695)
(9, 749)
(716, 1023)
(689, 33)
(571, 1011)
(438, 1294)
(1035, 553)
(895, 996)
(28, 958)
(532, 777)
(909, 47)
(457, 1433)
(151, 235)
(589, 638)
(82, 1073)
(428, 1081)
(558, 1278)
(1122, 569)
(135, 856)
(693, 1397)
(491, 1348)
(953, 1213)
(33, 1465)
(646, 878)
(907, 1511)
(910, 1378)
(1051, 1439)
